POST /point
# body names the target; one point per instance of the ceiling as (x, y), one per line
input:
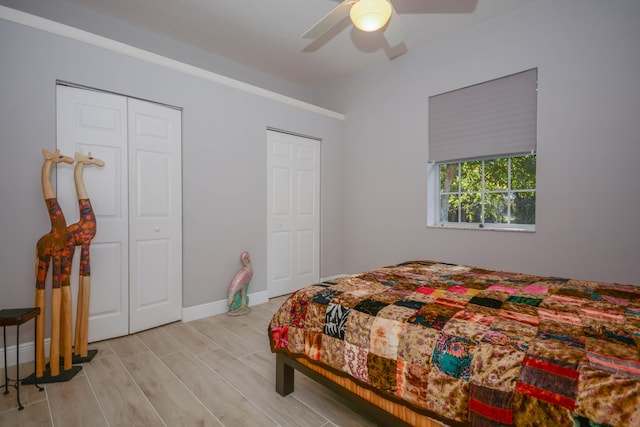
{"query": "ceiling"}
(265, 34)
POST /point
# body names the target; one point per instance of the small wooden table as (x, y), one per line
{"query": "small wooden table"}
(15, 317)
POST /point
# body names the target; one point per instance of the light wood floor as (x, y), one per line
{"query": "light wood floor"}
(216, 371)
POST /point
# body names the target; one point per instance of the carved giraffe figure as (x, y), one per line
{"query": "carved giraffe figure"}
(51, 248)
(80, 234)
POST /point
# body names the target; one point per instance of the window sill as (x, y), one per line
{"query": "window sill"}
(485, 227)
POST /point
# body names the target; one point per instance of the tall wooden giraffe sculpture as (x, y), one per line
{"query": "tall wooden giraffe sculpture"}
(51, 248)
(81, 234)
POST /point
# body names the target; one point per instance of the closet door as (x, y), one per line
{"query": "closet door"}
(136, 255)
(96, 122)
(155, 207)
(293, 212)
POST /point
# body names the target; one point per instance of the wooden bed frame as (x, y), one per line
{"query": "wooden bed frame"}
(364, 401)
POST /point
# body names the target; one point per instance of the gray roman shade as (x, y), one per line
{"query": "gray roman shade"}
(492, 119)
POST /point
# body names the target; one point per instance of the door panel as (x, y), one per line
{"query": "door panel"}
(155, 214)
(305, 245)
(281, 192)
(105, 282)
(153, 283)
(153, 185)
(305, 193)
(95, 122)
(281, 244)
(293, 223)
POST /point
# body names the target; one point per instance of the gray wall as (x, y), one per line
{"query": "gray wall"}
(588, 58)
(224, 160)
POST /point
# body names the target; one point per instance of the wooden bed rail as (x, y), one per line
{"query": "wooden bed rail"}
(286, 367)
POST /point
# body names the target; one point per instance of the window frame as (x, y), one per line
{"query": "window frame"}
(434, 202)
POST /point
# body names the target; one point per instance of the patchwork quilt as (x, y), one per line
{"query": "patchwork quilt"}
(474, 346)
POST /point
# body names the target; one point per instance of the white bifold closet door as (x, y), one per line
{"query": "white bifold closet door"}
(136, 255)
(293, 212)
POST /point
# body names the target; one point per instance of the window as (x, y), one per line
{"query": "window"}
(482, 161)
(499, 192)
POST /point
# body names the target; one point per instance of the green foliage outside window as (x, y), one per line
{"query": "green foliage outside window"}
(490, 191)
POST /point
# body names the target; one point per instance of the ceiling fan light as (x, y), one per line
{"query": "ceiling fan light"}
(370, 15)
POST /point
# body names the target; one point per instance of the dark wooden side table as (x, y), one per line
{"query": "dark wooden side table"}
(15, 317)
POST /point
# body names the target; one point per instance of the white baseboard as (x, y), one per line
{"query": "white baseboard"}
(219, 307)
(27, 349)
(27, 352)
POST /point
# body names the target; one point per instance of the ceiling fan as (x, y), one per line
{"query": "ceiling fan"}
(366, 15)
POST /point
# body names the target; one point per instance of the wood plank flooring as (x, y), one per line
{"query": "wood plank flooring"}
(216, 371)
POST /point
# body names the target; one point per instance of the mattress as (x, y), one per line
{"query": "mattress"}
(474, 346)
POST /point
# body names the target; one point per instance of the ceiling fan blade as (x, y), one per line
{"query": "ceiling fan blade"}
(331, 19)
(394, 33)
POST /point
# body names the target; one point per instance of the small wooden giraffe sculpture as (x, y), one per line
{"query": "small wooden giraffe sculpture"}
(51, 248)
(81, 234)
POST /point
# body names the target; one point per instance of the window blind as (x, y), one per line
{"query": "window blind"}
(492, 119)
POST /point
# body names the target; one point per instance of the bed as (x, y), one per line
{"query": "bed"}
(425, 342)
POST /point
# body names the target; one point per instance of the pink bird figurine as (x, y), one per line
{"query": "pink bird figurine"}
(238, 299)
